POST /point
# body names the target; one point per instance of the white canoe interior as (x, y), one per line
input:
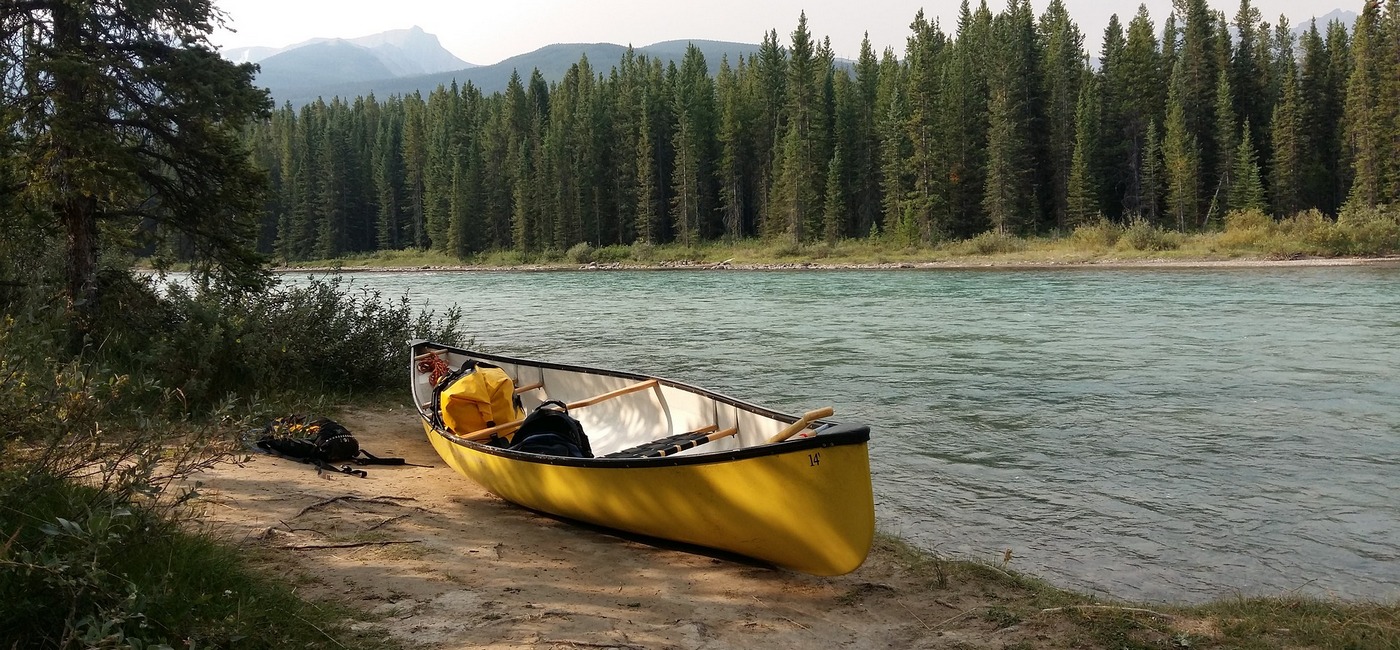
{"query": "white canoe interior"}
(620, 411)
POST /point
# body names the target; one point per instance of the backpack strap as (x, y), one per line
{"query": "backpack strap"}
(344, 469)
(371, 459)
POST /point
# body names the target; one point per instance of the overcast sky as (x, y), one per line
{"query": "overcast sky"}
(484, 33)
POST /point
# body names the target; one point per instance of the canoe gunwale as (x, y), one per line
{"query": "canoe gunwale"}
(843, 433)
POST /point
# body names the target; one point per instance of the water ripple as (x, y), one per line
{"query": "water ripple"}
(1149, 434)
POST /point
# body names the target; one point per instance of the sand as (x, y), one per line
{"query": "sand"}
(429, 557)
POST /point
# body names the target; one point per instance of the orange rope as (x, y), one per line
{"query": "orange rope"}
(435, 365)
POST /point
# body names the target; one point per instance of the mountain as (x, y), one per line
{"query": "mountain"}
(329, 61)
(553, 61)
(1347, 18)
(325, 61)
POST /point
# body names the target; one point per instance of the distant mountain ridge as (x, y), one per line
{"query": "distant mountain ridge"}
(395, 53)
(330, 69)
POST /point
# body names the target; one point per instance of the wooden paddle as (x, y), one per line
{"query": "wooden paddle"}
(802, 423)
(504, 429)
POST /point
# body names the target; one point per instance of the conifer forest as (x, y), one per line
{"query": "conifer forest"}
(1006, 122)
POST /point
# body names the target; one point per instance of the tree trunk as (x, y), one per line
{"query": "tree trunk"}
(77, 209)
(79, 217)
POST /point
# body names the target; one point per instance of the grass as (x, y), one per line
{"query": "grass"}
(81, 567)
(1250, 234)
(1288, 621)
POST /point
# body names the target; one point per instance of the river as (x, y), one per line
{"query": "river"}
(1149, 434)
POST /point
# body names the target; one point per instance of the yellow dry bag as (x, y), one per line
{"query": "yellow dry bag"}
(482, 397)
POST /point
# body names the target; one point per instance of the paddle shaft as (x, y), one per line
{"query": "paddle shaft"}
(802, 423)
(503, 429)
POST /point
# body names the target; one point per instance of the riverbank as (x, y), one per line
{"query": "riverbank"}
(428, 557)
(1011, 264)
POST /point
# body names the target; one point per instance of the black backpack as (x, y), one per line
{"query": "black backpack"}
(550, 430)
(320, 442)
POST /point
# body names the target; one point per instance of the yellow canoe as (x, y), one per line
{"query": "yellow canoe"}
(803, 503)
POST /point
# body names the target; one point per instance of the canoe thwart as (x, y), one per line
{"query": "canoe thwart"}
(801, 423)
(528, 387)
(507, 428)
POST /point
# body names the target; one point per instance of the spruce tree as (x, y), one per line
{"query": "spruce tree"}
(1364, 130)
(1010, 200)
(1286, 168)
(1226, 135)
(1061, 72)
(1083, 191)
(1247, 192)
(1153, 175)
(1181, 158)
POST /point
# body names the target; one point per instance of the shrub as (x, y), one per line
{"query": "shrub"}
(643, 251)
(612, 254)
(1143, 236)
(320, 335)
(992, 243)
(1374, 230)
(580, 253)
(1100, 234)
(1250, 219)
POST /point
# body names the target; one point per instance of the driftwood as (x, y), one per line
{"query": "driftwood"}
(389, 500)
(303, 547)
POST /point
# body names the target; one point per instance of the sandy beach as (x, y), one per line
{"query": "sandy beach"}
(437, 562)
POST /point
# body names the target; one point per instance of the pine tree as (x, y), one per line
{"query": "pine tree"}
(1247, 78)
(1286, 170)
(1388, 101)
(1364, 130)
(1083, 191)
(1247, 192)
(1226, 134)
(124, 114)
(925, 56)
(834, 205)
(865, 140)
(797, 191)
(1181, 157)
(1010, 200)
(1153, 175)
(964, 123)
(1134, 92)
(692, 196)
(1061, 72)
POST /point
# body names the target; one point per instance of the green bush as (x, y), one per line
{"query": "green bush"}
(612, 254)
(1100, 234)
(993, 243)
(321, 335)
(1143, 236)
(580, 253)
(1373, 231)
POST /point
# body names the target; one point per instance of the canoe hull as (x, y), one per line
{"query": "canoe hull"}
(804, 504)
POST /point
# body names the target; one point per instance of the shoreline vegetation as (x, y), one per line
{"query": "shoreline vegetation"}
(1246, 239)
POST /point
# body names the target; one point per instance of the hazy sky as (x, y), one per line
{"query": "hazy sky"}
(487, 32)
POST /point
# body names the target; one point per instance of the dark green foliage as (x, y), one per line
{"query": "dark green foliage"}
(321, 335)
(1246, 190)
(965, 132)
(126, 119)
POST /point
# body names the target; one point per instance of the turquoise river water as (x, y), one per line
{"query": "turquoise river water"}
(1151, 434)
